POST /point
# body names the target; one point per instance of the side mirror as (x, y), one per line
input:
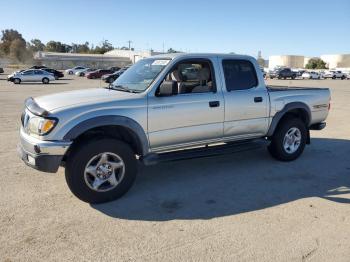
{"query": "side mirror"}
(168, 88)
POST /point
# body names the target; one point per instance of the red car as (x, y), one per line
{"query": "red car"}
(98, 73)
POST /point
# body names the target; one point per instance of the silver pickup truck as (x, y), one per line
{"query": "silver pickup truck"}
(166, 107)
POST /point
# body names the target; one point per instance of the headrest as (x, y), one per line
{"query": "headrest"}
(204, 74)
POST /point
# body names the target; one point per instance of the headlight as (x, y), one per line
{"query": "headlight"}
(41, 126)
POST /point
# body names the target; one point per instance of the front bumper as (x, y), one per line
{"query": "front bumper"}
(42, 155)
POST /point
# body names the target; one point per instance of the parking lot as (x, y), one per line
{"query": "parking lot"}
(238, 207)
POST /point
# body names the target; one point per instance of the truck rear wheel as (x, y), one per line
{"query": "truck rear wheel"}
(289, 139)
(100, 171)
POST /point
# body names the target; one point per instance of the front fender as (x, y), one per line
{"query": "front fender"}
(110, 120)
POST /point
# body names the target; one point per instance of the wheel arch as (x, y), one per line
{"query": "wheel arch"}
(296, 109)
(119, 127)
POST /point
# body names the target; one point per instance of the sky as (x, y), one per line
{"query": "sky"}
(309, 28)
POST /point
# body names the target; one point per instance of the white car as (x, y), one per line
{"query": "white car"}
(73, 70)
(310, 75)
(84, 71)
(334, 74)
(31, 75)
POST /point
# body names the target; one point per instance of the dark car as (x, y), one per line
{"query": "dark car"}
(114, 68)
(56, 74)
(38, 67)
(110, 78)
(1, 70)
(283, 73)
(98, 73)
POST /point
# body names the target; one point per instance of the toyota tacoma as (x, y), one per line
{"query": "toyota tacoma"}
(166, 107)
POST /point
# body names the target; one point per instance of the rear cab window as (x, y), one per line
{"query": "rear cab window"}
(239, 74)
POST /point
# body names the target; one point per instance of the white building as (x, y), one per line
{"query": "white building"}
(68, 60)
(134, 56)
(296, 61)
(292, 61)
(337, 61)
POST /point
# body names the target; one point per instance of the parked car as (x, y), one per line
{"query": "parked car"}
(300, 73)
(57, 74)
(37, 67)
(83, 72)
(310, 75)
(1, 70)
(114, 68)
(98, 73)
(73, 70)
(334, 74)
(283, 73)
(31, 75)
(151, 113)
(263, 72)
(110, 78)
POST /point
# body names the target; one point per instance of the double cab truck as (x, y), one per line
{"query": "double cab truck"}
(166, 107)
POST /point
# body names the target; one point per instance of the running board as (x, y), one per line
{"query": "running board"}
(206, 151)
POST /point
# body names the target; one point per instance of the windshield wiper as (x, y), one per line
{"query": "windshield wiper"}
(122, 88)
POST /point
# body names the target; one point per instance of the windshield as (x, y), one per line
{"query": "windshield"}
(139, 77)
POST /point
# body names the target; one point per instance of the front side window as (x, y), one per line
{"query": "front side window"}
(193, 76)
(140, 76)
(239, 75)
(29, 72)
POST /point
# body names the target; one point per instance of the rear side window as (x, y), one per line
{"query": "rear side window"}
(239, 74)
(29, 72)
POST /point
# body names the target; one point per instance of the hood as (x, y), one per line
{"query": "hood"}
(80, 97)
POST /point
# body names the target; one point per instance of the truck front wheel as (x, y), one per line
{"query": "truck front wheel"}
(288, 141)
(101, 170)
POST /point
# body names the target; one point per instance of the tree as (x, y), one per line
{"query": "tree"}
(316, 63)
(8, 36)
(18, 51)
(105, 47)
(261, 62)
(81, 48)
(170, 50)
(36, 45)
(56, 46)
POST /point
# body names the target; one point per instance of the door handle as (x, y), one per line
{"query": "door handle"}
(214, 103)
(258, 99)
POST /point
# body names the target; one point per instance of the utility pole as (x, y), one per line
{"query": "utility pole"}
(129, 42)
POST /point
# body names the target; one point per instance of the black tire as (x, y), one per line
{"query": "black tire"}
(17, 81)
(45, 80)
(70, 73)
(343, 77)
(276, 148)
(293, 77)
(334, 77)
(81, 155)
